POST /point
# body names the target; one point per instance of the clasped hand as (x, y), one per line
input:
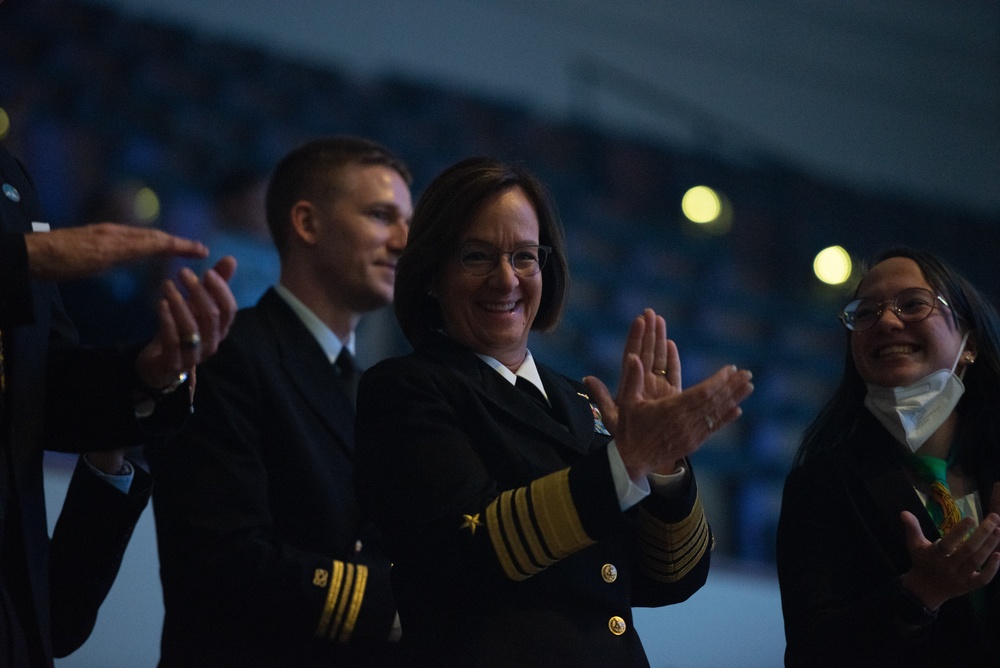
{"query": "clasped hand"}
(654, 422)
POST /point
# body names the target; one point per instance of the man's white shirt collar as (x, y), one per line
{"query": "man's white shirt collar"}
(328, 341)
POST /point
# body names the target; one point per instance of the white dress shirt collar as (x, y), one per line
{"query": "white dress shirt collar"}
(527, 370)
(328, 341)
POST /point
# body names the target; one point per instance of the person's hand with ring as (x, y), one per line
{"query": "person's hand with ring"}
(190, 328)
(655, 423)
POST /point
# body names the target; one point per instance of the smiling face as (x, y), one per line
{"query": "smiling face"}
(492, 314)
(360, 235)
(892, 353)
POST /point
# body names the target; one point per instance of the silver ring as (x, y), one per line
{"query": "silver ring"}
(710, 422)
(937, 548)
(191, 341)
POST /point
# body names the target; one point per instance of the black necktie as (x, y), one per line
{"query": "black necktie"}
(532, 391)
(348, 373)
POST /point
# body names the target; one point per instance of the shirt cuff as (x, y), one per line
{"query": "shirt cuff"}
(629, 493)
(671, 484)
(123, 483)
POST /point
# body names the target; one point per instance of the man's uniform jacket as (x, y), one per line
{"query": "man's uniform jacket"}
(264, 558)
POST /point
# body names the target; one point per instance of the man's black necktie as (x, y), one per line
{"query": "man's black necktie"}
(348, 374)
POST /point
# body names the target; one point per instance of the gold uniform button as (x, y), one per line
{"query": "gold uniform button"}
(609, 573)
(617, 625)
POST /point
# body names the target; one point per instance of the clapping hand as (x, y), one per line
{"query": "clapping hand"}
(655, 423)
(964, 559)
(190, 329)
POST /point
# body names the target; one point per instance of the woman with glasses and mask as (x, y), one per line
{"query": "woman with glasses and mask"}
(888, 537)
(525, 512)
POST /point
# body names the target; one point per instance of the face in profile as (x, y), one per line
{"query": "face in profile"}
(891, 352)
(491, 314)
(361, 233)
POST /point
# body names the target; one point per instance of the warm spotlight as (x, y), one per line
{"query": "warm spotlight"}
(701, 205)
(832, 265)
(146, 206)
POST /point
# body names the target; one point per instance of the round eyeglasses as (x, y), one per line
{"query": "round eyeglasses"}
(479, 258)
(910, 305)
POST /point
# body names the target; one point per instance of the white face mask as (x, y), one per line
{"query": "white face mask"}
(913, 412)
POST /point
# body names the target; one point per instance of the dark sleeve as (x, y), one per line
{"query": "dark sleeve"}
(225, 545)
(841, 598)
(674, 544)
(15, 283)
(89, 540)
(91, 399)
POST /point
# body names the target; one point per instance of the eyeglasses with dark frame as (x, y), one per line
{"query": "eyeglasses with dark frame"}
(910, 305)
(480, 258)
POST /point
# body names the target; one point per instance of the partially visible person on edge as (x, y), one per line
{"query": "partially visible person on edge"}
(888, 536)
(526, 513)
(57, 395)
(239, 228)
(265, 558)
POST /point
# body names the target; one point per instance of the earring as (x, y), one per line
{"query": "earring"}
(969, 358)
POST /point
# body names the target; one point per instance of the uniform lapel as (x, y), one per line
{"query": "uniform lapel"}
(307, 370)
(571, 422)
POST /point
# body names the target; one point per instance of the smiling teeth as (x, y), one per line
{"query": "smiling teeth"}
(895, 350)
(505, 307)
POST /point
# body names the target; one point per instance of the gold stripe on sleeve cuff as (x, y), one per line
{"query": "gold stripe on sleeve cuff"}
(533, 527)
(669, 550)
(332, 592)
(357, 597)
(344, 597)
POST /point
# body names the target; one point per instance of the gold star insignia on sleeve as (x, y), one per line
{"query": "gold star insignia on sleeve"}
(471, 522)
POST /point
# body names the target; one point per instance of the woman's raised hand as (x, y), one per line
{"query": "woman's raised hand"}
(655, 423)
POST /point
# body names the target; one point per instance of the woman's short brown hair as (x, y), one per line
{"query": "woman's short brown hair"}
(443, 213)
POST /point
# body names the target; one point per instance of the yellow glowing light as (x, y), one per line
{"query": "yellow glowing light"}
(832, 265)
(4, 123)
(701, 205)
(146, 206)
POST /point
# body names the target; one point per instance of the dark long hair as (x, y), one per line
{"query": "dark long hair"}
(443, 213)
(840, 420)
